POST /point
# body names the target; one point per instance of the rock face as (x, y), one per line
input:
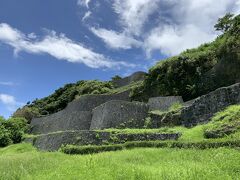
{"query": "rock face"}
(137, 76)
(119, 113)
(165, 119)
(76, 116)
(203, 108)
(52, 142)
(163, 103)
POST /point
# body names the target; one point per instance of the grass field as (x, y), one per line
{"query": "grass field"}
(22, 161)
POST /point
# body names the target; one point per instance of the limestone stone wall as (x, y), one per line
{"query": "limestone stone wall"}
(53, 141)
(62, 121)
(76, 116)
(89, 102)
(163, 103)
(203, 108)
(114, 113)
(137, 76)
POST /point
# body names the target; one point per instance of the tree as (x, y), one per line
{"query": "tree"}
(16, 127)
(224, 23)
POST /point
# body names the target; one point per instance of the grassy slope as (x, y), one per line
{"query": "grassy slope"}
(22, 161)
(128, 164)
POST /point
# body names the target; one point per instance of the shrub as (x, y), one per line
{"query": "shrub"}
(12, 130)
(70, 149)
(5, 138)
(16, 127)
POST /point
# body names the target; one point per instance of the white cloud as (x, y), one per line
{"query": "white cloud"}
(84, 3)
(58, 46)
(134, 13)
(182, 24)
(10, 102)
(192, 24)
(86, 15)
(116, 40)
(172, 41)
(7, 83)
(32, 36)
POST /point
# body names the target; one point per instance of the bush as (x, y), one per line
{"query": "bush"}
(16, 127)
(70, 149)
(12, 130)
(5, 139)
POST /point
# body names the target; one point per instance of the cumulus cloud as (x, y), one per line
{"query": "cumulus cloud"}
(171, 41)
(58, 46)
(134, 13)
(169, 26)
(191, 25)
(116, 40)
(10, 102)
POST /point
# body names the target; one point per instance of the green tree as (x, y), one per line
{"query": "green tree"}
(224, 23)
(16, 128)
(5, 138)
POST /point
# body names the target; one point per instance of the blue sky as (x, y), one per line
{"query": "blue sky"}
(46, 44)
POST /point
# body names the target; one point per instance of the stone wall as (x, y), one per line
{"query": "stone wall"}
(62, 121)
(203, 108)
(53, 141)
(119, 113)
(137, 76)
(163, 103)
(89, 102)
(76, 116)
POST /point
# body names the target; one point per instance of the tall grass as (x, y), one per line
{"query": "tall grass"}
(140, 164)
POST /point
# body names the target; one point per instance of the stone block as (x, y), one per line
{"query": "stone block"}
(114, 113)
(163, 103)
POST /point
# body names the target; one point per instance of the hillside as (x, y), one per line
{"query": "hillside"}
(146, 120)
(197, 71)
(192, 73)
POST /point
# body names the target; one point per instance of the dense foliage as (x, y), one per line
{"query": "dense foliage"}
(12, 130)
(197, 71)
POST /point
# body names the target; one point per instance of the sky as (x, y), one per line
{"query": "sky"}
(45, 44)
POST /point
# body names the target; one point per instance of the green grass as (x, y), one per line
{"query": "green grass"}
(124, 88)
(173, 108)
(140, 131)
(224, 123)
(139, 163)
(194, 134)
